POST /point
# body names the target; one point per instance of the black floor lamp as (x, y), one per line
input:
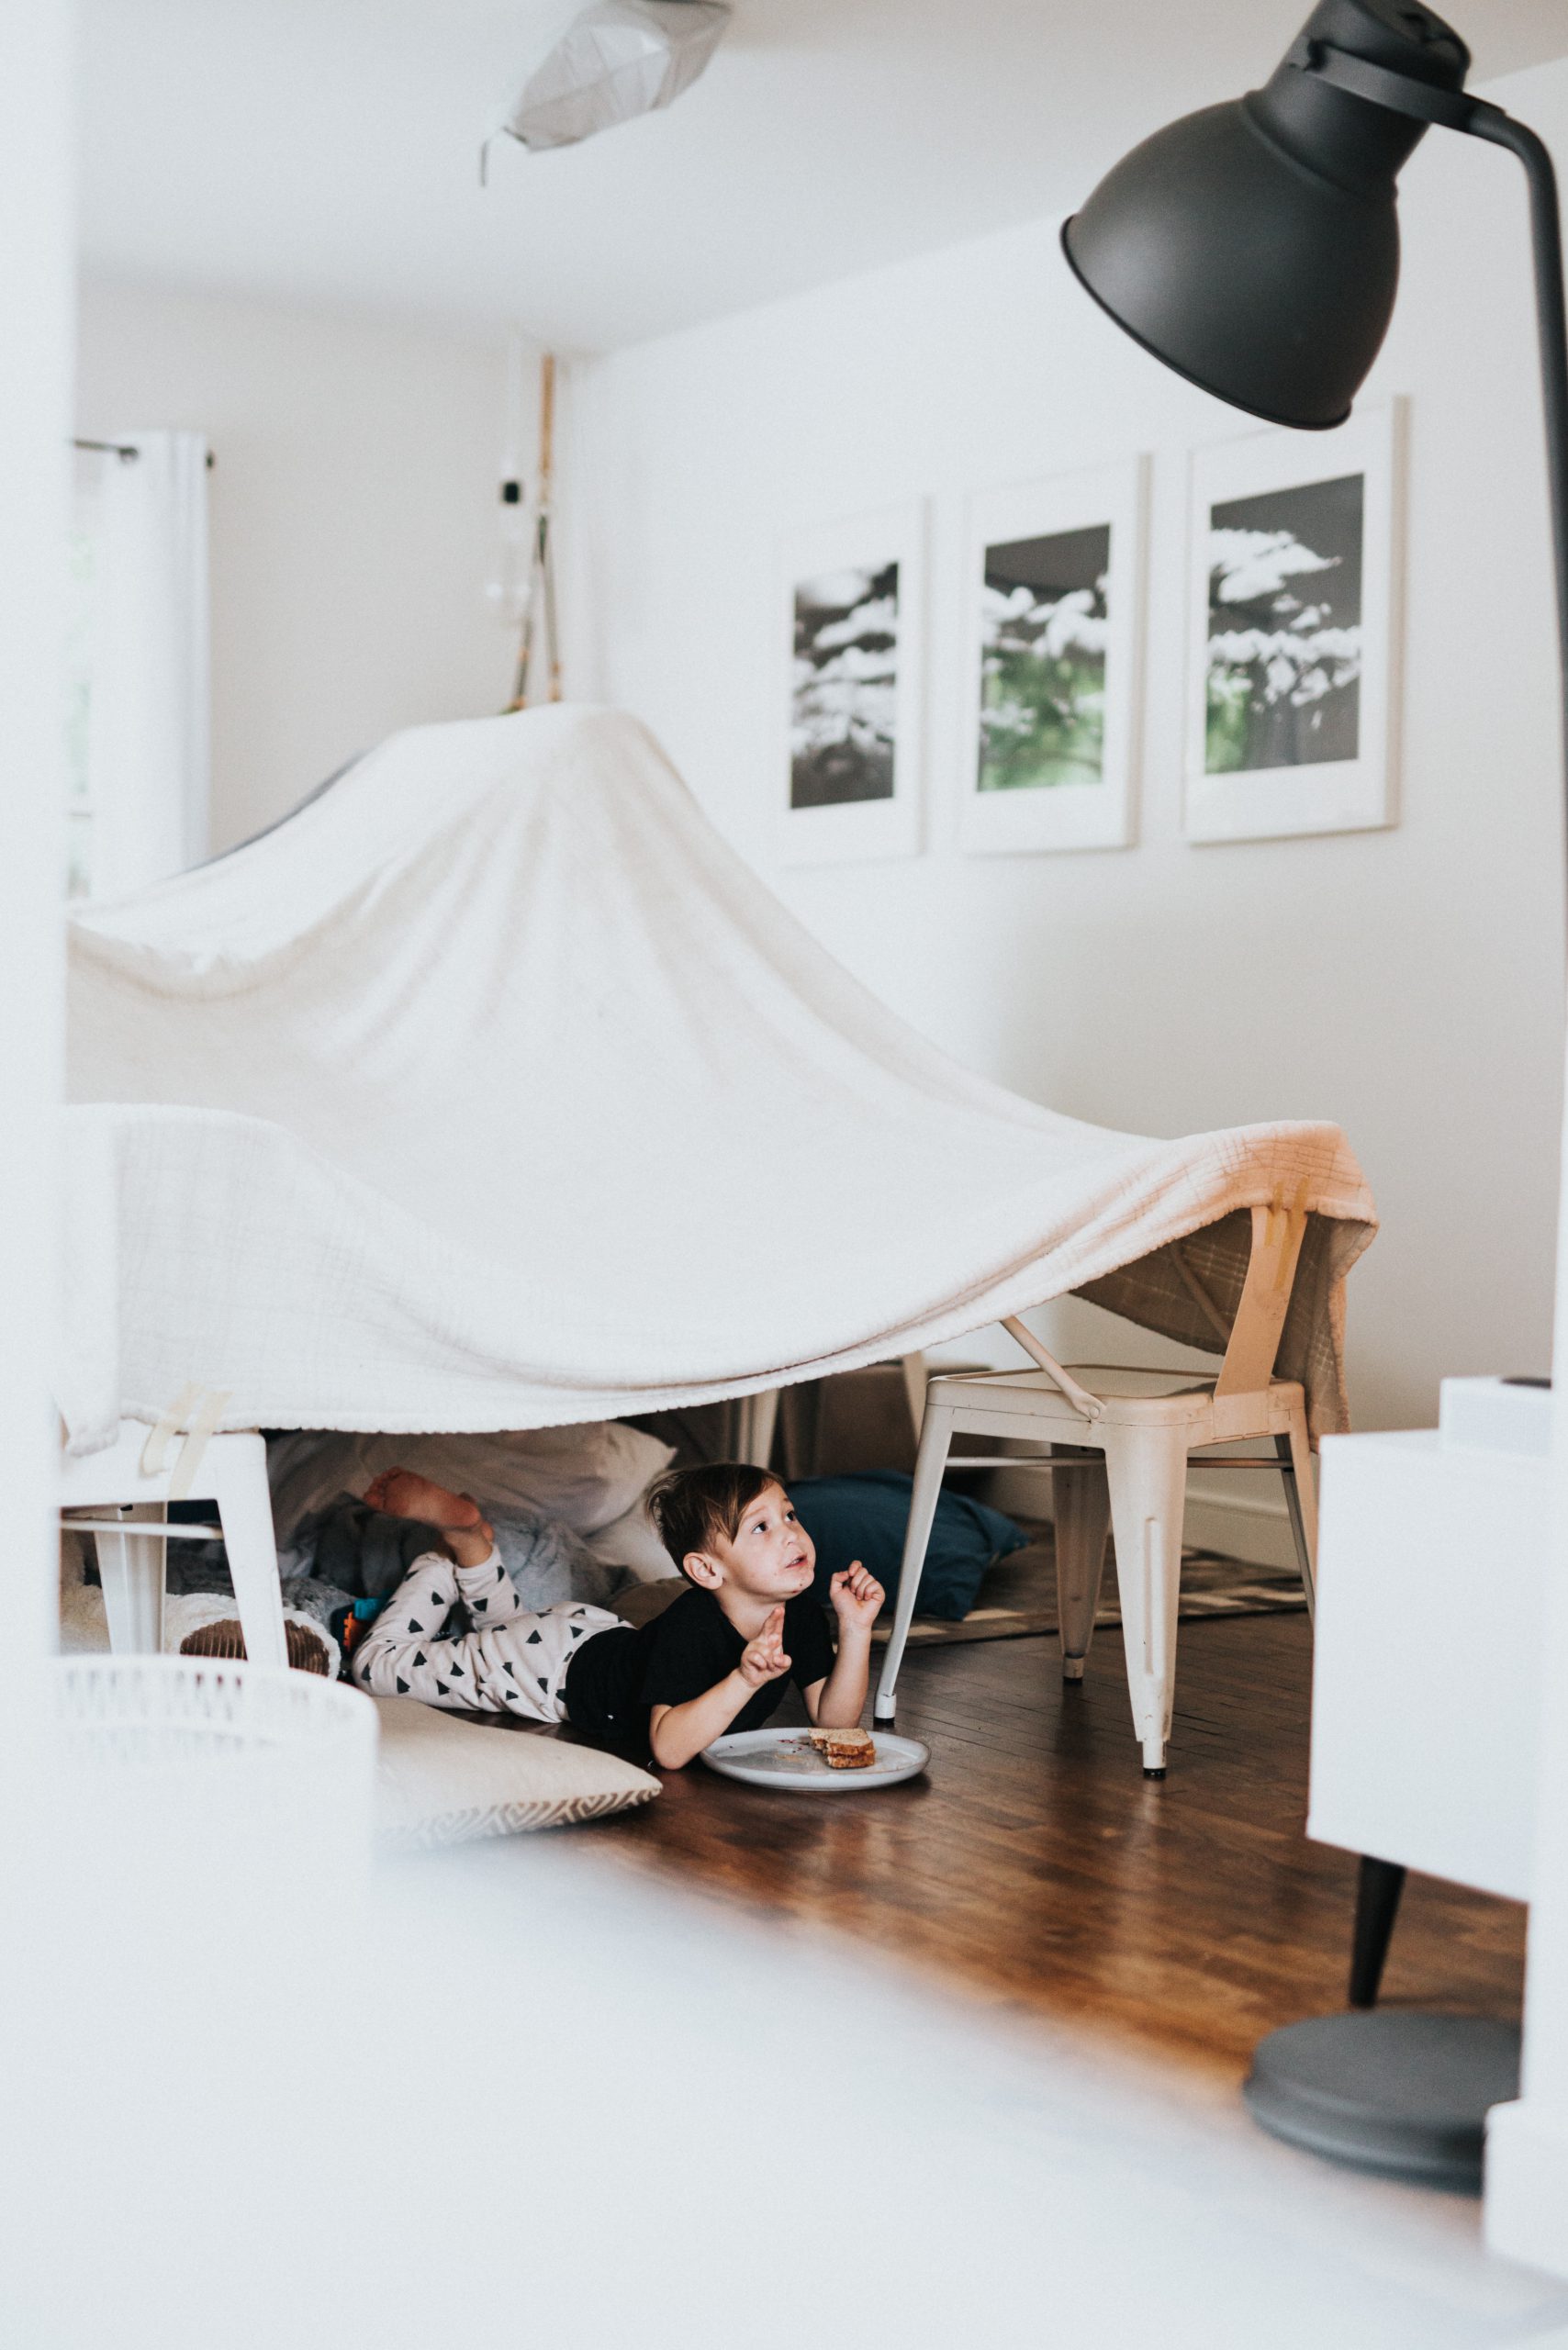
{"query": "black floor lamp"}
(1254, 248)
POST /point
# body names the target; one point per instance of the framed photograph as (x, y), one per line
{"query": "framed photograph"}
(852, 623)
(1292, 677)
(1054, 597)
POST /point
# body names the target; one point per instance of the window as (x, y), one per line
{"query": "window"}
(136, 670)
(81, 634)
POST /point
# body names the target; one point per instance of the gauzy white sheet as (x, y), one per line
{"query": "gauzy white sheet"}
(493, 1089)
(591, 1478)
(585, 1478)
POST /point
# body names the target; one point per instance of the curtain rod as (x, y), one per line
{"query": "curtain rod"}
(125, 451)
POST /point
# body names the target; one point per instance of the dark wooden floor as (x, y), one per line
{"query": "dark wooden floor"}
(1035, 1866)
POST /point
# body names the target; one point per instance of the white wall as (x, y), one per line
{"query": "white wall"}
(1407, 983)
(37, 196)
(353, 505)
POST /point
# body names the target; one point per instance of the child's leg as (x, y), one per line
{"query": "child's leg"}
(488, 1593)
(400, 1657)
(495, 1669)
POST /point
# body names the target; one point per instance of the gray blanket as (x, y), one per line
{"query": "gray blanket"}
(351, 1552)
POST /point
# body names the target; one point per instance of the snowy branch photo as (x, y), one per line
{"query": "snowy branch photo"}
(850, 644)
(1044, 629)
(1293, 563)
(1055, 606)
(1284, 649)
(843, 715)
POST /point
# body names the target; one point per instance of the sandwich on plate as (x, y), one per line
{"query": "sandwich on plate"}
(844, 1750)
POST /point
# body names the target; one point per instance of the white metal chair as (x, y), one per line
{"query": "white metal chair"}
(122, 1503)
(1118, 1445)
(755, 1417)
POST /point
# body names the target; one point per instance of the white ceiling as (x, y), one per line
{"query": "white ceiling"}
(326, 150)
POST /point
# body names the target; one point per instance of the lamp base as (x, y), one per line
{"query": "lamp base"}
(1402, 2094)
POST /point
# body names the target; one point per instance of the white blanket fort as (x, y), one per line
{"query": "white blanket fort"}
(492, 1089)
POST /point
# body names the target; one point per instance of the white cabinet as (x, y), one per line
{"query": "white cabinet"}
(1431, 1571)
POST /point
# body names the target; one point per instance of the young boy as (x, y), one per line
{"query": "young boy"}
(715, 1661)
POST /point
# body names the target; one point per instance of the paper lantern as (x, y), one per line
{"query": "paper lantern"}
(620, 59)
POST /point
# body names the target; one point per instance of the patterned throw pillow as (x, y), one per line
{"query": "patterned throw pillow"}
(444, 1780)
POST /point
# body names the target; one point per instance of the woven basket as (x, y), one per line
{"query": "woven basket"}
(260, 1739)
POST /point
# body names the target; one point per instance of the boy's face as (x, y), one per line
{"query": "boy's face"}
(770, 1556)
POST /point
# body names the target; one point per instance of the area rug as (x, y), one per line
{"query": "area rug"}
(1019, 1597)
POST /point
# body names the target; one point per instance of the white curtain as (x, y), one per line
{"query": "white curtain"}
(149, 756)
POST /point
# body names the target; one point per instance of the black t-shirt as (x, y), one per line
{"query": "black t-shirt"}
(617, 1677)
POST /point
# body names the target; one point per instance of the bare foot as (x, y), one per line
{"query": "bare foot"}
(402, 1494)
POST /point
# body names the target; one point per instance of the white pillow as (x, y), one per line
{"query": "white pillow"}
(585, 1477)
(630, 1541)
(440, 1781)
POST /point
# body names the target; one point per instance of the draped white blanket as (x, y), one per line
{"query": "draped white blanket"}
(493, 1089)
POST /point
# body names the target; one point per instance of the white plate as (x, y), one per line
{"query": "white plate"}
(786, 1759)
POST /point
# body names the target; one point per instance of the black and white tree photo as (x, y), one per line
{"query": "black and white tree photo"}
(1045, 629)
(1294, 642)
(1285, 643)
(843, 691)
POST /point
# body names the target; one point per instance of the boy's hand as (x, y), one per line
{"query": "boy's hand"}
(763, 1660)
(857, 1595)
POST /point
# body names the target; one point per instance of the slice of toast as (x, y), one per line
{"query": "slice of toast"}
(844, 1750)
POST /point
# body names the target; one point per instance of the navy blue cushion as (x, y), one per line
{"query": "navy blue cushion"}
(865, 1518)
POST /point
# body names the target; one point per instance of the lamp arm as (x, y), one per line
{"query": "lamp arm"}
(1403, 93)
(1551, 323)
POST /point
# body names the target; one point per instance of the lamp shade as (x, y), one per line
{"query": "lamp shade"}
(1254, 247)
(618, 60)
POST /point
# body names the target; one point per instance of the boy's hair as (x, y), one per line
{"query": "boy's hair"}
(693, 1508)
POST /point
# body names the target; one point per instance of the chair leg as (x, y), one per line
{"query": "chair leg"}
(757, 1417)
(1148, 1470)
(1081, 1502)
(245, 1512)
(814, 1425)
(1295, 1453)
(1379, 1885)
(935, 1437)
(130, 1569)
(913, 1369)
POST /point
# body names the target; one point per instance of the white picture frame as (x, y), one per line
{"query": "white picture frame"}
(1063, 553)
(1300, 690)
(850, 765)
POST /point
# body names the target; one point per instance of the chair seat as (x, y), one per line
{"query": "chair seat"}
(1132, 1398)
(1125, 1469)
(1100, 1378)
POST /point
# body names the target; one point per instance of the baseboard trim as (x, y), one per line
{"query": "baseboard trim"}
(1224, 1496)
(1226, 1514)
